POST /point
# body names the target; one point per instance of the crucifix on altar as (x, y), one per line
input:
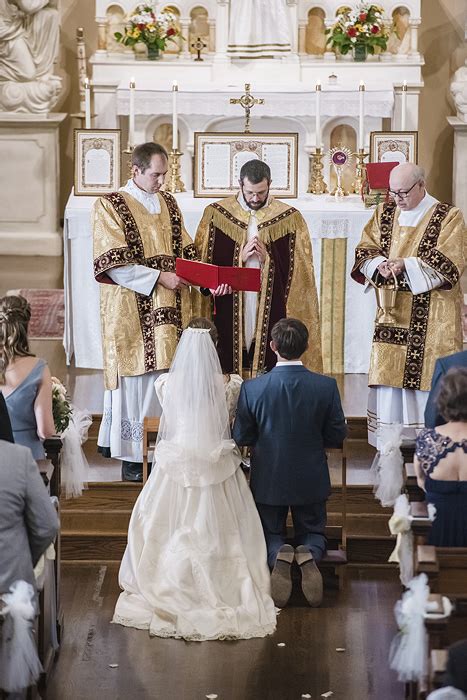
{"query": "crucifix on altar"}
(247, 101)
(198, 46)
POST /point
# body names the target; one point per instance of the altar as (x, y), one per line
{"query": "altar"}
(347, 313)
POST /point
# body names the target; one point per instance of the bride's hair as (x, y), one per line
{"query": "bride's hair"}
(15, 313)
(208, 325)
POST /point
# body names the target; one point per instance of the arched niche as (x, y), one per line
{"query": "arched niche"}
(162, 134)
(173, 47)
(399, 37)
(343, 135)
(199, 27)
(116, 20)
(315, 38)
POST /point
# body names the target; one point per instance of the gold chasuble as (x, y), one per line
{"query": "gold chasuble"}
(287, 280)
(427, 325)
(139, 333)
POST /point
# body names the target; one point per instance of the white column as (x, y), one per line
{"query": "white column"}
(185, 45)
(302, 25)
(459, 171)
(212, 35)
(413, 26)
(328, 54)
(101, 34)
(293, 15)
(222, 31)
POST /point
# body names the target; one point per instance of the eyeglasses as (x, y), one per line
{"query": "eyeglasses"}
(402, 194)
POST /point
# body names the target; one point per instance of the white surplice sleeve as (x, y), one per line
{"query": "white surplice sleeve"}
(420, 276)
(138, 278)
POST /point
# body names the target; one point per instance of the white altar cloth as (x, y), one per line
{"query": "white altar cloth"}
(325, 219)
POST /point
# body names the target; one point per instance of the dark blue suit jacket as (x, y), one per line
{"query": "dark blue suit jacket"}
(289, 416)
(442, 365)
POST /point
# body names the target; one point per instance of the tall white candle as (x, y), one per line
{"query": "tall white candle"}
(174, 116)
(131, 116)
(87, 104)
(361, 114)
(404, 105)
(318, 115)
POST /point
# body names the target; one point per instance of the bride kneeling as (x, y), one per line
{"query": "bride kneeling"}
(195, 563)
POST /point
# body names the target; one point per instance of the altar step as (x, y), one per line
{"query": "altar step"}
(95, 526)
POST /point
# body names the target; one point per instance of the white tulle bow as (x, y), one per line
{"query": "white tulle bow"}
(388, 465)
(74, 464)
(19, 662)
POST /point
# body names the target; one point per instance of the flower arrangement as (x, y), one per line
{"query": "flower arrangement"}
(145, 26)
(61, 407)
(363, 26)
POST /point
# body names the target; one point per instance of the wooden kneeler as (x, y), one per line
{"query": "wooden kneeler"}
(150, 430)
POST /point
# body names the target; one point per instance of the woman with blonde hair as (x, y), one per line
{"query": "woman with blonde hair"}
(25, 380)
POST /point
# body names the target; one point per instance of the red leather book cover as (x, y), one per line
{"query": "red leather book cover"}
(241, 279)
(377, 175)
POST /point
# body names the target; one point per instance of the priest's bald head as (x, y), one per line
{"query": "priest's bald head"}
(255, 180)
(407, 185)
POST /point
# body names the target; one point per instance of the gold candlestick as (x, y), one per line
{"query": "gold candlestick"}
(317, 184)
(175, 183)
(359, 171)
(127, 152)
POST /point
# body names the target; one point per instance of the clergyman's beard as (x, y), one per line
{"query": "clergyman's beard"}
(256, 205)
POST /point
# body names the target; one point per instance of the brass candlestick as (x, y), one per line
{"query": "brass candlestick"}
(359, 171)
(175, 183)
(317, 184)
(127, 152)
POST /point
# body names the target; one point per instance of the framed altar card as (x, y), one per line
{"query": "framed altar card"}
(97, 161)
(394, 147)
(220, 156)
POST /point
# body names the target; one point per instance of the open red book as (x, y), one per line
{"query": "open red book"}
(241, 279)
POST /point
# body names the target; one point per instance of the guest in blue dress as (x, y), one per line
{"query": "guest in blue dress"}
(25, 380)
(441, 463)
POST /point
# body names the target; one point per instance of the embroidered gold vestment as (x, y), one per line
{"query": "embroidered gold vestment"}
(287, 279)
(139, 333)
(427, 325)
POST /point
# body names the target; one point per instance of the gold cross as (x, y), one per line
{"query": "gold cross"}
(198, 46)
(247, 101)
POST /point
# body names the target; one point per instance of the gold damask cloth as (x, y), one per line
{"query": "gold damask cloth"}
(287, 279)
(139, 333)
(427, 325)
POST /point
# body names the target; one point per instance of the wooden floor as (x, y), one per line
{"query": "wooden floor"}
(102, 661)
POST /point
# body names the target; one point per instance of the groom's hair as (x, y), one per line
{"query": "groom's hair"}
(290, 337)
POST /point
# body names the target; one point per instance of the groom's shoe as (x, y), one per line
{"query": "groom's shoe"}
(132, 471)
(281, 579)
(312, 581)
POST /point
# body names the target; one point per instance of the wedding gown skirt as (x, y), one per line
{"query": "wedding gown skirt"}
(195, 563)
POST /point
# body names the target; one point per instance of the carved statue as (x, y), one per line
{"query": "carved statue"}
(29, 42)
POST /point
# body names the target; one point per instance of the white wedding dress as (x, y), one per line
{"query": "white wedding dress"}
(195, 563)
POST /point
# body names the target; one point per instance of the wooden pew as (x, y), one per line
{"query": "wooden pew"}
(446, 568)
(413, 490)
(150, 431)
(52, 448)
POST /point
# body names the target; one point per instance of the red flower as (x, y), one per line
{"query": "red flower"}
(362, 16)
(141, 26)
(351, 31)
(170, 31)
(374, 29)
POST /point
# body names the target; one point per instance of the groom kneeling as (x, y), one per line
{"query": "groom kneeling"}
(290, 416)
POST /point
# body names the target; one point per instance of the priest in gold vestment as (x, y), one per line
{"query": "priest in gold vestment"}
(253, 229)
(138, 233)
(421, 241)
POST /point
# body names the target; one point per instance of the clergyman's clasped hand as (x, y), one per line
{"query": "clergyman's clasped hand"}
(390, 267)
(170, 280)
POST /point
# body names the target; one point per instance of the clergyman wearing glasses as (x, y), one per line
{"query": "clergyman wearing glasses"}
(419, 240)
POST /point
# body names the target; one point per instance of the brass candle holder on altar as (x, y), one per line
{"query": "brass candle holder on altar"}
(174, 181)
(317, 184)
(357, 184)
